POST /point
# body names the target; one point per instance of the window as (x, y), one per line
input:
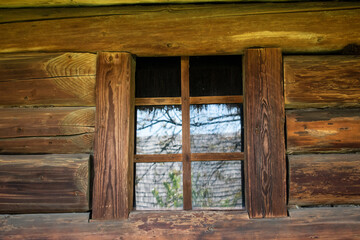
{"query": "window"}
(189, 147)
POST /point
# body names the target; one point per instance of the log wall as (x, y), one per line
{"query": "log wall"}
(46, 107)
(322, 97)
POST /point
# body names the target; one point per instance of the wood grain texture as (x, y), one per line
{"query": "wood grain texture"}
(47, 130)
(114, 139)
(217, 156)
(194, 157)
(35, 14)
(186, 148)
(82, 143)
(324, 179)
(183, 30)
(313, 223)
(265, 165)
(72, 3)
(158, 101)
(330, 130)
(39, 79)
(157, 158)
(36, 122)
(44, 183)
(322, 81)
(216, 99)
(23, 66)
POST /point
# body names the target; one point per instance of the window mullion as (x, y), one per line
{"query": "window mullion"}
(186, 152)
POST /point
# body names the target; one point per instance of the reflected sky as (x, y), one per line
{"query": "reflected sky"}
(213, 128)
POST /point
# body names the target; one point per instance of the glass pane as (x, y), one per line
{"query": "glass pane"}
(157, 77)
(158, 186)
(215, 76)
(216, 184)
(215, 128)
(158, 130)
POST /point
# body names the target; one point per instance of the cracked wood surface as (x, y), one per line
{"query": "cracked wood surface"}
(47, 79)
(47, 130)
(322, 81)
(185, 30)
(322, 131)
(320, 179)
(44, 183)
(310, 223)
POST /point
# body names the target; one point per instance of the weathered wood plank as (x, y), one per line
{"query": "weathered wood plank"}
(321, 223)
(333, 130)
(43, 79)
(44, 183)
(236, 156)
(82, 143)
(265, 165)
(34, 14)
(71, 3)
(184, 30)
(322, 81)
(114, 140)
(324, 179)
(24, 66)
(59, 91)
(158, 101)
(35, 122)
(186, 148)
(47, 130)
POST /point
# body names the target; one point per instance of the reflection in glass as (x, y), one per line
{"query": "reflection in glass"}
(215, 128)
(158, 130)
(216, 184)
(158, 186)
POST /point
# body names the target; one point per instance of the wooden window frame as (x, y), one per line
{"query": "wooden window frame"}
(186, 157)
(264, 147)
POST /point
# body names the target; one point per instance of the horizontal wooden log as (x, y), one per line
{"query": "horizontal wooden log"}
(45, 122)
(333, 130)
(180, 30)
(59, 91)
(72, 3)
(47, 130)
(47, 79)
(321, 81)
(324, 179)
(82, 143)
(44, 183)
(313, 223)
(46, 65)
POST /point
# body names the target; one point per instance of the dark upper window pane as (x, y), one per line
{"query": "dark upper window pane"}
(215, 76)
(158, 77)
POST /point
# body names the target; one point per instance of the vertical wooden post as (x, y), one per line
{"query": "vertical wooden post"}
(265, 165)
(185, 112)
(114, 138)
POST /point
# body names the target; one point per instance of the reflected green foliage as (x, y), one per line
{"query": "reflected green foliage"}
(174, 197)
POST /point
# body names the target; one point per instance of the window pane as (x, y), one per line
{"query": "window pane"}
(158, 186)
(215, 128)
(158, 77)
(216, 184)
(215, 76)
(158, 130)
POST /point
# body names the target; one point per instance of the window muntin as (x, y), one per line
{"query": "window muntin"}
(222, 157)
